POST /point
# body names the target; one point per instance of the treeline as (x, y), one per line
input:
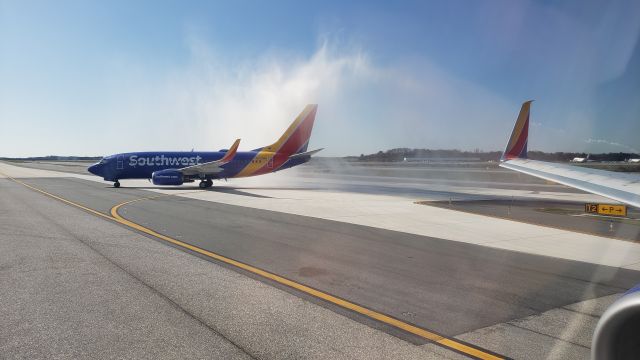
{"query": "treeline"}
(564, 156)
(400, 154)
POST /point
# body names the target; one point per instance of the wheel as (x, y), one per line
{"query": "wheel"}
(203, 184)
(209, 183)
(116, 184)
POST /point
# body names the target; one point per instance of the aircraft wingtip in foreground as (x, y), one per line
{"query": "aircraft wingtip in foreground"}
(176, 168)
(517, 145)
(621, 187)
(615, 335)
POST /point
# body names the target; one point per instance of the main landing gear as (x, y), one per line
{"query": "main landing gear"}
(207, 183)
(116, 184)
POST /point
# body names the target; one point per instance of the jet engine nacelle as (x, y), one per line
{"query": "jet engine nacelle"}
(617, 335)
(167, 177)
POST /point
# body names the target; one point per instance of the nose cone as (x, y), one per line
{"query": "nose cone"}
(95, 169)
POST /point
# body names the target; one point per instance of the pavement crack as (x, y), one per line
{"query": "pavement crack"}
(580, 312)
(547, 335)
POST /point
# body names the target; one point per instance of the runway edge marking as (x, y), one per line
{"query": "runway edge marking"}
(448, 343)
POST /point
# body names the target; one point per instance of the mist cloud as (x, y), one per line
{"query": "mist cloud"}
(258, 99)
(363, 106)
(612, 144)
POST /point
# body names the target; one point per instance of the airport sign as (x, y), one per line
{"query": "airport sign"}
(606, 209)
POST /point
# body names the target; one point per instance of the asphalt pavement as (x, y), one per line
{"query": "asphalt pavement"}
(446, 286)
(80, 286)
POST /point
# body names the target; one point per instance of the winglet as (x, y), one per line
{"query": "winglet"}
(517, 145)
(230, 153)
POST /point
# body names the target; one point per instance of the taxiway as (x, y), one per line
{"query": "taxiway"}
(459, 276)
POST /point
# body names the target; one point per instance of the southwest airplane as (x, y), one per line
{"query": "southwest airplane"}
(176, 168)
(621, 187)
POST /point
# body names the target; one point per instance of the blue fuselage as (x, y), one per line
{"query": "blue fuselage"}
(141, 165)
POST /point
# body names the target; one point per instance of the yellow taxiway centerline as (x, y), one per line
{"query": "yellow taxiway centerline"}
(450, 343)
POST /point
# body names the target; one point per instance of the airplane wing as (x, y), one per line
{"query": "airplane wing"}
(621, 187)
(303, 154)
(212, 167)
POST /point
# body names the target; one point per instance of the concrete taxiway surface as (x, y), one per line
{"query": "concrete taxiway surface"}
(455, 288)
(567, 215)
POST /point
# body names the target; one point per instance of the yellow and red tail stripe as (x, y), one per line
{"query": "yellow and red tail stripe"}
(271, 157)
(517, 145)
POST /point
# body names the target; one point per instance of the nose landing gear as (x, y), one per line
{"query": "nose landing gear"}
(116, 184)
(207, 183)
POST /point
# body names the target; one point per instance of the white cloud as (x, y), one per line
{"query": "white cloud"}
(611, 145)
(211, 99)
(257, 100)
(364, 107)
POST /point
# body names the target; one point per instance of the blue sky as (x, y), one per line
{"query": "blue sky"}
(94, 78)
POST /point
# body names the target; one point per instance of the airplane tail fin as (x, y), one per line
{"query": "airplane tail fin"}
(517, 145)
(296, 139)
